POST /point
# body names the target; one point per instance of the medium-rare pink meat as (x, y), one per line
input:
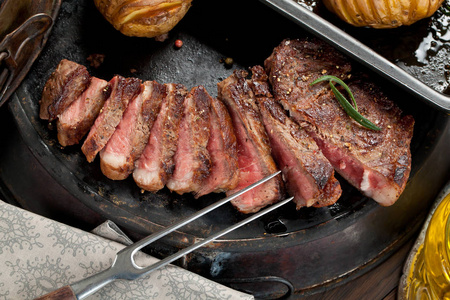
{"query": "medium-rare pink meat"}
(125, 146)
(65, 85)
(308, 175)
(378, 163)
(192, 159)
(156, 164)
(222, 148)
(74, 123)
(123, 90)
(254, 157)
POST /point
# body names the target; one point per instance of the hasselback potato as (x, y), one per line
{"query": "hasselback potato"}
(143, 18)
(382, 13)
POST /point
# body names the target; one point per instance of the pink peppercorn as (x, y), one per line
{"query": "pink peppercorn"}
(178, 43)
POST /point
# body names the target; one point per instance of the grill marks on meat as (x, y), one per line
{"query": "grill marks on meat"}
(66, 83)
(192, 159)
(377, 163)
(125, 146)
(123, 90)
(156, 164)
(222, 148)
(74, 123)
(254, 157)
(309, 176)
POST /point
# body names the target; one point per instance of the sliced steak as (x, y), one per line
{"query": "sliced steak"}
(123, 90)
(125, 146)
(309, 176)
(254, 157)
(74, 123)
(192, 159)
(222, 148)
(156, 164)
(66, 83)
(378, 163)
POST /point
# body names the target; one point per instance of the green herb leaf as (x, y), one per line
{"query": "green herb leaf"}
(348, 108)
(337, 80)
(351, 111)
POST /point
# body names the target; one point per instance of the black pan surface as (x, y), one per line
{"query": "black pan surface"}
(310, 249)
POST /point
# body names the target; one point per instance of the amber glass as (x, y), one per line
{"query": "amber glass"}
(429, 277)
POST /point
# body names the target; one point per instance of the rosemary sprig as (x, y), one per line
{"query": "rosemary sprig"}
(339, 81)
(352, 111)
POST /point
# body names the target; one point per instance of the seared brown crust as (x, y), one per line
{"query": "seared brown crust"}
(229, 144)
(150, 110)
(294, 64)
(125, 146)
(122, 91)
(309, 176)
(76, 121)
(192, 159)
(171, 126)
(156, 164)
(376, 162)
(65, 85)
(254, 157)
(222, 147)
(392, 157)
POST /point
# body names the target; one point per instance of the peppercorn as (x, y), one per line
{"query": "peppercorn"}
(228, 62)
(178, 43)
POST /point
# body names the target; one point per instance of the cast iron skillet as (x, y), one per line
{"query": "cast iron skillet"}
(307, 250)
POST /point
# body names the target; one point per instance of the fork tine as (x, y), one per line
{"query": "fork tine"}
(151, 238)
(211, 238)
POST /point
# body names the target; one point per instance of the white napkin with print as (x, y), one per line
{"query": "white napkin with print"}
(39, 255)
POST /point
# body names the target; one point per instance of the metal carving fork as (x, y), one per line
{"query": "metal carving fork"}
(124, 265)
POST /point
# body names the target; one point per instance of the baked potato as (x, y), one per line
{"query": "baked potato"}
(382, 13)
(143, 18)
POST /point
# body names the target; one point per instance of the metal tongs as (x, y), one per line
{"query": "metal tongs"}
(124, 265)
(18, 50)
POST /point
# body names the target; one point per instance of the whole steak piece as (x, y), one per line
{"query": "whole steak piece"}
(125, 146)
(156, 164)
(123, 90)
(377, 163)
(254, 153)
(65, 85)
(309, 176)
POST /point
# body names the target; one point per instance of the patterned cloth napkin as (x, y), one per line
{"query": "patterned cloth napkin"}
(39, 255)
